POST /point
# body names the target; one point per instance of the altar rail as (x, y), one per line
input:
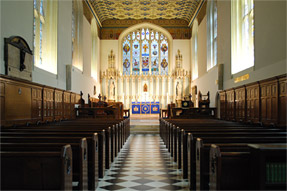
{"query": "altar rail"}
(24, 102)
(260, 102)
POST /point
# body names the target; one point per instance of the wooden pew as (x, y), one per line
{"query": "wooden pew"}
(262, 167)
(37, 170)
(95, 151)
(197, 162)
(111, 133)
(79, 154)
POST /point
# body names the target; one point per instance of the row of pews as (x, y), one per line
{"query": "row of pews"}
(62, 155)
(224, 155)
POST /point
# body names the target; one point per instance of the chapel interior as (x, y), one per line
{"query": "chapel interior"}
(143, 95)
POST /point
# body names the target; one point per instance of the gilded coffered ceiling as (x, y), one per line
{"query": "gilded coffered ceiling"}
(145, 9)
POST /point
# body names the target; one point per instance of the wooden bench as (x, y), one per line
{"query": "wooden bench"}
(95, 151)
(262, 167)
(37, 170)
(79, 154)
(200, 155)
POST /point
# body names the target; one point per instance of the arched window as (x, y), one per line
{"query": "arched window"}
(45, 34)
(242, 35)
(77, 34)
(145, 51)
(194, 64)
(211, 11)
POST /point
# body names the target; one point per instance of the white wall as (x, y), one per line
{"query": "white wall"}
(184, 47)
(82, 81)
(269, 43)
(269, 47)
(106, 47)
(206, 81)
(202, 52)
(16, 20)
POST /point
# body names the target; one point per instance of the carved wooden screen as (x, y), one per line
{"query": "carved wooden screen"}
(240, 104)
(269, 102)
(37, 104)
(67, 105)
(48, 104)
(222, 105)
(230, 104)
(58, 105)
(252, 102)
(282, 100)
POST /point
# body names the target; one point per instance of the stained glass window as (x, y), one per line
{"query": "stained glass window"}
(164, 57)
(126, 57)
(145, 57)
(148, 53)
(154, 57)
(136, 57)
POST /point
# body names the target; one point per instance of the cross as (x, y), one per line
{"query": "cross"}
(145, 47)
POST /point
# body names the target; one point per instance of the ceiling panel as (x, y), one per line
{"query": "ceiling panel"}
(145, 9)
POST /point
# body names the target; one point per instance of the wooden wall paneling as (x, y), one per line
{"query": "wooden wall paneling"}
(222, 95)
(37, 112)
(18, 103)
(58, 104)
(240, 104)
(282, 100)
(269, 101)
(78, 99)
(2, 97)
(253, 103)
(67, 104)
(230, 104)
(73, 102)
(48, 104)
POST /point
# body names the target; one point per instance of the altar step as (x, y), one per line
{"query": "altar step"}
(144, 129)
(144, 125)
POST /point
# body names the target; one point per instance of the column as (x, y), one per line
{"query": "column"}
(122, 89)
(168, 86)
(151, 88)
(168, 91)
(183, 86)
(157, 88)
(133, 88)
(163, 92)
(139, 88)
(128, 91)
(107, 87)
(174, 90)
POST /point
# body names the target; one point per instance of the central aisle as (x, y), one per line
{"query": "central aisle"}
(143, 164)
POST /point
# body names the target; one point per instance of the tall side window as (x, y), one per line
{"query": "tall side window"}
(211, 11)
(194, 52)
(95, 49)
(242, 35)
(45, 34)
(145, 51)
(77, 34)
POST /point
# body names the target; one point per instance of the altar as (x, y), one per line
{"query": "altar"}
(145, 108)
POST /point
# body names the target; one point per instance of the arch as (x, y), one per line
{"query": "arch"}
(145, 25)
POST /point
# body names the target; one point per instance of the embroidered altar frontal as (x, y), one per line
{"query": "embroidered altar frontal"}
(145, 108)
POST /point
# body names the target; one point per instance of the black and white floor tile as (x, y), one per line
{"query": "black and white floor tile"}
(143, 164)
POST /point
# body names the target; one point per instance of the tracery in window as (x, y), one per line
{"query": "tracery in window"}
(149, 52)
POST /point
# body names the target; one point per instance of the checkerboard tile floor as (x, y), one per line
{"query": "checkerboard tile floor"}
(143, 164)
